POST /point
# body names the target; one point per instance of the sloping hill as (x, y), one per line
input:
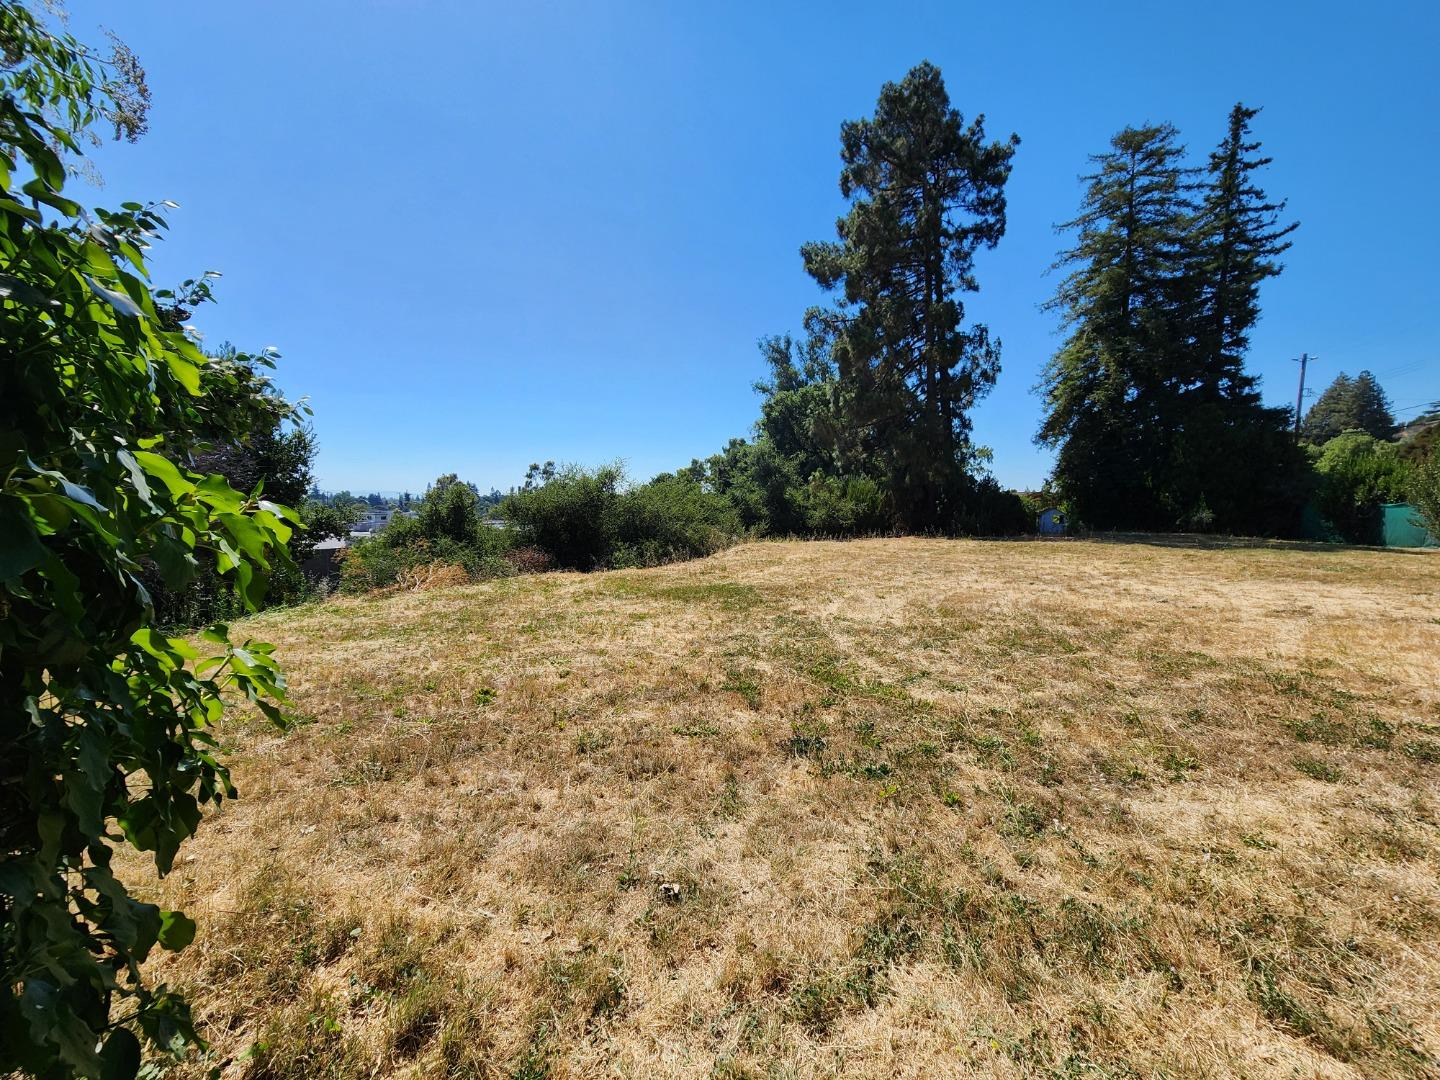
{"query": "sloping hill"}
(873, 809)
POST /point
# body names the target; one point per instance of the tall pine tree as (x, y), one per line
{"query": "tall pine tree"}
(1109, 388)
(1158, 425)
(1357, 404)
(1236, 239)
(1234, 465)
(926, 192)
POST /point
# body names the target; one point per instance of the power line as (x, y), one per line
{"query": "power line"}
(1403, 369)
(1412, 408)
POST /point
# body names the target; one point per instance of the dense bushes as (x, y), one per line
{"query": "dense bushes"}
(1355, 474)
(569, 518)
(564, 513)
(584, 519)
(447, 530)
(1425, 493)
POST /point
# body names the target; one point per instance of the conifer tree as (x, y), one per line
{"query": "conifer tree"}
(1357, 404)
(926, 191)
(1157, 423)
(1109, 388)
(1237, 237)
(1233, 464)
(1373, 413)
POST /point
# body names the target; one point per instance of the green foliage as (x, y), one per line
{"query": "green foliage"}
(844, 506)
(1357, 404)
(450, 510)
(102, 402)
(669, 519)
(565, 512)
(1158, 426)
(447, 529)
(584, 519)
(325, 521)
(790, 481)
(1425, 493)
(926, 192)
(259, 443)
(864, 424)
(1356, 474)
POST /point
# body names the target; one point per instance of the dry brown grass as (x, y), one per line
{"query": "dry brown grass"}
(891, 808)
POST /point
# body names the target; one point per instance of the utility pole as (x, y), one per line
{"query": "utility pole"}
(1304, 359)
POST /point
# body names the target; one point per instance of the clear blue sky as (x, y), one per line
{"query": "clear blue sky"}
(484, 234)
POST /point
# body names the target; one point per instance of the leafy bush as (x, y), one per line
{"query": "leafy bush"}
(450, 510)
(401, 549)
(993, 511)
(1355, 474)
(566, 513)
(585, 519)
(1425, 493)
(447, 530)
(844, 506)
(106, 725)
(668, 519)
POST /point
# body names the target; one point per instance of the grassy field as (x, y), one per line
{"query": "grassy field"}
(889, 808)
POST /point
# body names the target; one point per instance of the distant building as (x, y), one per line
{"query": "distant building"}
(375, 519)
(1051, 522)
(322, 561)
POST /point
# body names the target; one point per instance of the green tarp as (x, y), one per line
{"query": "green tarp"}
(1400, 529)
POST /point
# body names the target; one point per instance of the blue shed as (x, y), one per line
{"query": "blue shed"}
(1052, 522)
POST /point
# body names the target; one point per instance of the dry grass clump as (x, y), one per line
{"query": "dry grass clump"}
(890, 808)
(436, 575)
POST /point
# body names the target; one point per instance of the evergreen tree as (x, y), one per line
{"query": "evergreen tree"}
(1357, 404)
(1373, 413)
(1109, 388)
(1237, 238)
(926, 191)
(1234, 466)
(1331, 413)
(1157, 423)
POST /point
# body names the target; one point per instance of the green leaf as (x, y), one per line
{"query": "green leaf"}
(137, 478)
(12, 288)
(20, 547)
(162, 469)
(117, 300)
(177, 930)
(120, 1059)
(217, 492)
(73, 491)
(41, 193)
(185, 371)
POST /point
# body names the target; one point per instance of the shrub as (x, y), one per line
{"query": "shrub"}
(1425, 493)
(565, 513)
(667, 519)
(399, 550)
(585, 519)
(450, 510)
(1356, 473)
(845, 506)
(446, 530)
(997, 512)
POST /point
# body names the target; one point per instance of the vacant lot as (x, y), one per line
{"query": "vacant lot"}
(874, 809)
